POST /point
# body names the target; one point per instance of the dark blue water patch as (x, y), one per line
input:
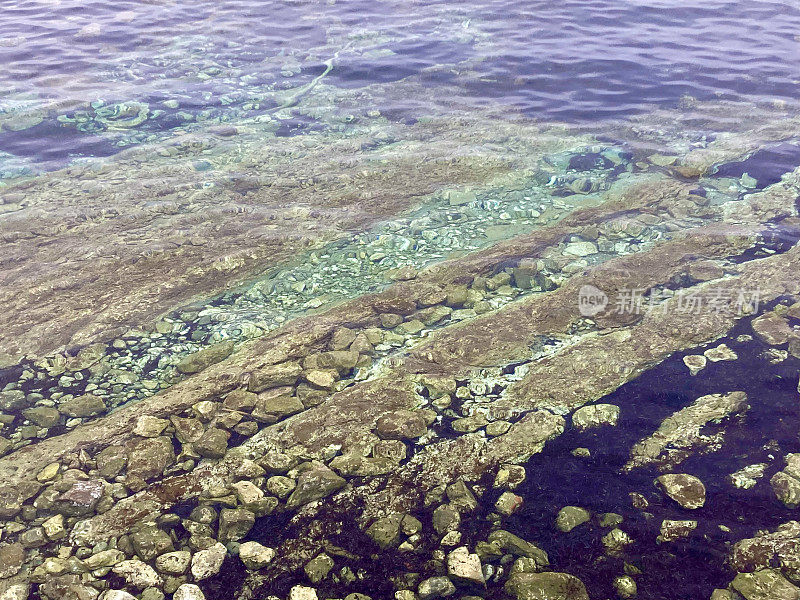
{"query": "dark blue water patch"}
(766, 166)
(585, 90)
(53, 145)
(298, 125)
(408, 59)
(686, 569)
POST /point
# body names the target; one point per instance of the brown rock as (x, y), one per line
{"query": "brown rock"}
(148, 457)
(11, 558)
(401, 425)
(274, 376)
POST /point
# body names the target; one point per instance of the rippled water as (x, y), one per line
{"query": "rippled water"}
(67, 61)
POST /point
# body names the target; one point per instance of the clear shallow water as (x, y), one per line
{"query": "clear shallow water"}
(108, 260)
(68, 65)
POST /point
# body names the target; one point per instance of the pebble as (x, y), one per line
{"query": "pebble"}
(188, 591)
(301, 592)
(255, 556)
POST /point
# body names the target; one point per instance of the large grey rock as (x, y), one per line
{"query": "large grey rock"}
(208, 562)
(302, 592)
(117, 595)
(137, 574)
(174, 563)
(464, 567)
(255, 555)
(235, 523)
(16, 591)
(148, 457)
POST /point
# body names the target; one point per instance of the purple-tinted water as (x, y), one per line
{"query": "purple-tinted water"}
(217, 61)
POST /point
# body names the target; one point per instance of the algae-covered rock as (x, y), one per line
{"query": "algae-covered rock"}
(150, 541)
(546, 586)
(385, 531)
(767, 584)
(672, 530)
(595, 415)
(401, 425)
(80, 499)
(445, 519)
(43, 416)
(786, 483)
(86, 405)
(273, 376)
(686, 490)
(570, 517)
(213, 443)
(509, 542)
(681, 432)
(202, 359)
(11, 558)
(626, 586)
(271, 408)
(435, 587)
(318, 567)
(314, 484)
(235, 523)
(149, 457)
